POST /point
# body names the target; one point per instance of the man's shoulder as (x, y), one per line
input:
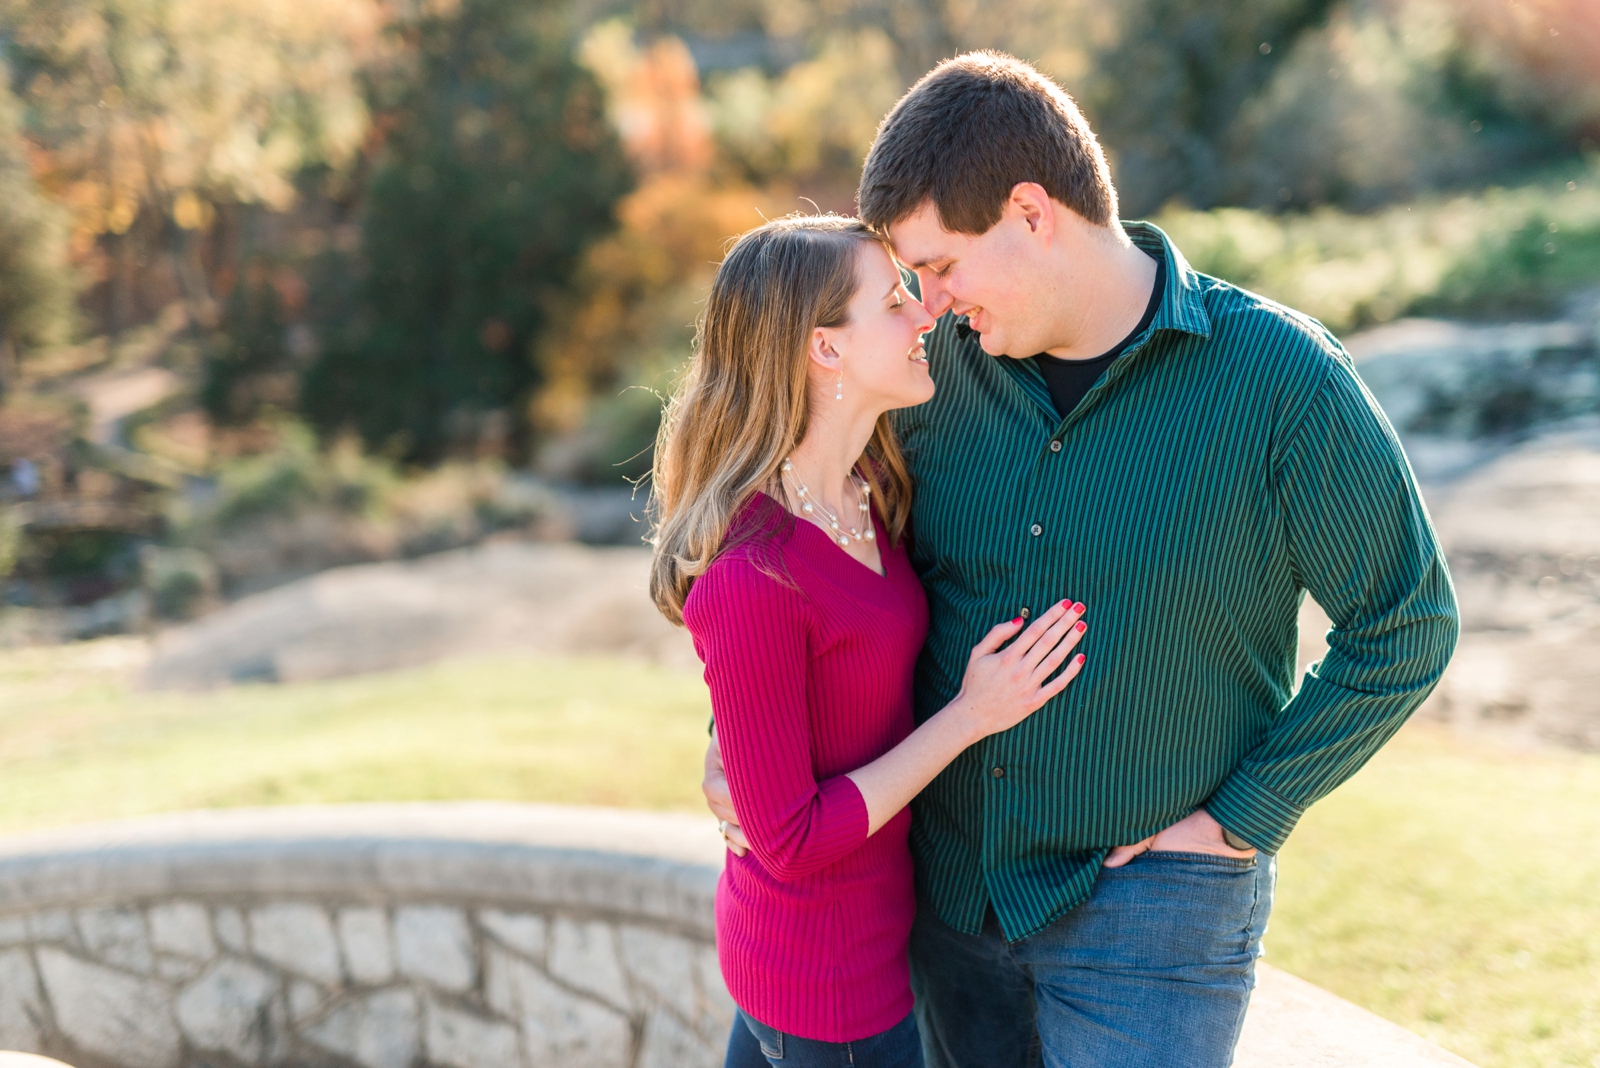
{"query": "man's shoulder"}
(1292, 360)
(1261, 331)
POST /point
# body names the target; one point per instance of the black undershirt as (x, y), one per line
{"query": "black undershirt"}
(1069, 380)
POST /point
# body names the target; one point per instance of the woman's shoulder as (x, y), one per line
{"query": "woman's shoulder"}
(752, 573)
(739, 590)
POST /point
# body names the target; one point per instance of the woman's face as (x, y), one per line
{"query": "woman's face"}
(880, 349)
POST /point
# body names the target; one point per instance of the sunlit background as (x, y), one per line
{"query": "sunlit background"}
(333, 336)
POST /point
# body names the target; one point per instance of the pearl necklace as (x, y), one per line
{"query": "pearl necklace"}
(810, 506)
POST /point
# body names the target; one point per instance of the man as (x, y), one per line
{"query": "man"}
(1188, 459)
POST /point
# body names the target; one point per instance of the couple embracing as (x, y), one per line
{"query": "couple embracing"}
(996, 585)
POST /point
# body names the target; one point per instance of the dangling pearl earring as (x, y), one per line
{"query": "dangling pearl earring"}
(838, 393)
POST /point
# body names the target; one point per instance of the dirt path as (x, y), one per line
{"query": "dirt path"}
(112, 396)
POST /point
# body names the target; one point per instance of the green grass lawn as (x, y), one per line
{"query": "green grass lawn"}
(1453, 886)
(77, 744)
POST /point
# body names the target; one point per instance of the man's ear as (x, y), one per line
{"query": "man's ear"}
(1032, 205)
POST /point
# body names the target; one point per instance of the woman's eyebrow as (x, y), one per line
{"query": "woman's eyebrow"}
(897, 285)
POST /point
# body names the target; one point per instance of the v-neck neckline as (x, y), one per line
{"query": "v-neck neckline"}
(872, 514)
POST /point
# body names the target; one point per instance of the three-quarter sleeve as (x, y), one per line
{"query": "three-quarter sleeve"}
(754, 634)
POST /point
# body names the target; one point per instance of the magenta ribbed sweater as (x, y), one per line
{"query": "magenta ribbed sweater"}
(810, 678)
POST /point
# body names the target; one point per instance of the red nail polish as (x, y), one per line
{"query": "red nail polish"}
(1081, 658)
(1078, 608)
(1014, 622)
(1081, 627)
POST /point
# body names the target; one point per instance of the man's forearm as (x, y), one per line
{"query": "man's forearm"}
(1330, 729)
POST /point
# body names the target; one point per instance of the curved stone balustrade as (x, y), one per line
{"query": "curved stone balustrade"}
(467, 935)
(11, 1059)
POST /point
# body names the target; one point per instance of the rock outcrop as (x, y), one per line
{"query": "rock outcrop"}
(528, 597)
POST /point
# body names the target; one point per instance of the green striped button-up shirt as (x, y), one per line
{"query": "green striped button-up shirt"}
(1227, 463)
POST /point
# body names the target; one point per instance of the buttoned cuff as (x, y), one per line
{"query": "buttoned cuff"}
(1254, 811)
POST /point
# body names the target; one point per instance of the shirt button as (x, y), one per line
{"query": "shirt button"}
(1025, 612)
(998, 772)
(1055, 446)
(1036, 530)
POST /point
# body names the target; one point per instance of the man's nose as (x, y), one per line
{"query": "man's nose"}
(935, 297)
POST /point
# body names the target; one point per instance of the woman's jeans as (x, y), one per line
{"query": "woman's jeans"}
(1153, 971)
(755, 1045)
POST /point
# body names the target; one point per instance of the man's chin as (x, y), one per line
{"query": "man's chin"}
(993, 344)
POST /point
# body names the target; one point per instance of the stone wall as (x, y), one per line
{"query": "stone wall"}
(473, 936)
(462, 935)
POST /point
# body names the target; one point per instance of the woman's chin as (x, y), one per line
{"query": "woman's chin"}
(923, 391)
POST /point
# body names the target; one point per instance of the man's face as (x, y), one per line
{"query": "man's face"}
(989, 278)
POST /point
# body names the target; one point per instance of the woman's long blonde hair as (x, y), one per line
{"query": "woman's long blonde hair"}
(743, 404)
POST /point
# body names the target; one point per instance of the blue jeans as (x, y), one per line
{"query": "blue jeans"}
(755, 1045)
(1153, 971)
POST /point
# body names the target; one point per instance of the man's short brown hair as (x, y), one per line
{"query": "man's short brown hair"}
(969, 131)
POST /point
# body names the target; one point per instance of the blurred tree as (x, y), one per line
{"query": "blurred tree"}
(710, 19)
(652, 98)
(497, 169)
(1165, 94)
(1058, 35)
(36, 283)
(1360, 112)
(1271, 103)
(637, 291)
(812, 124)
(1542, 58)
(155, 113)
(10, 541)
(248, 368)
(630, 324)
(1384, 102)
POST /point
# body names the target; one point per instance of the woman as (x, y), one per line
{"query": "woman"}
(782, 500)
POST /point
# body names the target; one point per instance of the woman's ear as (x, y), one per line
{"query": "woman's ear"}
(820, 350)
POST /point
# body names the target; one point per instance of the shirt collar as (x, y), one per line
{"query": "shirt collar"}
(1183, 306)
